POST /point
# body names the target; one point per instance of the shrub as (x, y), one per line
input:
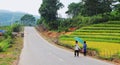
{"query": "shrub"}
(8, 33)
(5, 44)
(114, 15)
(80, 21)
(63, 25)
(16, 27)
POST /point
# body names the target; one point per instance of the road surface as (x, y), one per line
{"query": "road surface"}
(37, 51)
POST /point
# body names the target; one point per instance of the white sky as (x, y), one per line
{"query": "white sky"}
(30, 6)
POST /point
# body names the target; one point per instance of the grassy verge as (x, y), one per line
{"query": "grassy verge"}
(11, 55)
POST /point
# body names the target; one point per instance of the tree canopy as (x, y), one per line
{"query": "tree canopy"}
(91, 7)
(28, 19)
(84, 13)
(48, 12)
(74, 9)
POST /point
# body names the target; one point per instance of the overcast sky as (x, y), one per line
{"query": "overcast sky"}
(30, 6)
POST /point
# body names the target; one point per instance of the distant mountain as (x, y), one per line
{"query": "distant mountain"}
(8, 17)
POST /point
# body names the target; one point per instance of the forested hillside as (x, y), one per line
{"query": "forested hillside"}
(8, 17)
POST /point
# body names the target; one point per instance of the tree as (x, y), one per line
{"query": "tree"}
(91, 7)
(28, 19)
(115, 14)
(94, 7)
(106, 6)
(48, 12)
(74, 9)
(117, 6)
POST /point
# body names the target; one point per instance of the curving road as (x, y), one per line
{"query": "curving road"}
(37, 51)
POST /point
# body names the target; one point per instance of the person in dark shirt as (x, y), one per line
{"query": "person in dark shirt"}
(84, 48)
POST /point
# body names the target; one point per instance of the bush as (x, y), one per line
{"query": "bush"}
(6, 40)
(63, 25)
(114, 15)
(5, 44)
(80, 21)
(16, 27)
(8, 33)
(40, 21)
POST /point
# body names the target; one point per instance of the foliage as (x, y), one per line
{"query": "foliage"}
(114, 15)
(16, 27)
(5, 44)
(74, 9)
(63, 25)
(28, 19)
(48, 12)
(83, 13)
(6, 39)
(13, 28)
(39, 21)
(91, 7)
(8, 32)
(117, 6)
(80, 21)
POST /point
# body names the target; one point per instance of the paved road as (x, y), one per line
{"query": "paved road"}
(37, 51)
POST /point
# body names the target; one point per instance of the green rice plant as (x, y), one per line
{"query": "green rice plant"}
(99, 31)
(106, 25)
(103, 34)
(101, 28)
(113, 22)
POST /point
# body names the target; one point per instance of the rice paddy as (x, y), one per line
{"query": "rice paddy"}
(105, 37)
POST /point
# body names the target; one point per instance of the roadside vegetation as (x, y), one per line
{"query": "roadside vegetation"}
(9, 42)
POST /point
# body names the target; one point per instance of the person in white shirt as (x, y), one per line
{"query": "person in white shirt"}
(76, 49)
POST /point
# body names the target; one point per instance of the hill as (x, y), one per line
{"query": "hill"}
(8, 17)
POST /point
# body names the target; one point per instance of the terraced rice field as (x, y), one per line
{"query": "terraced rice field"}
(105, 37)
